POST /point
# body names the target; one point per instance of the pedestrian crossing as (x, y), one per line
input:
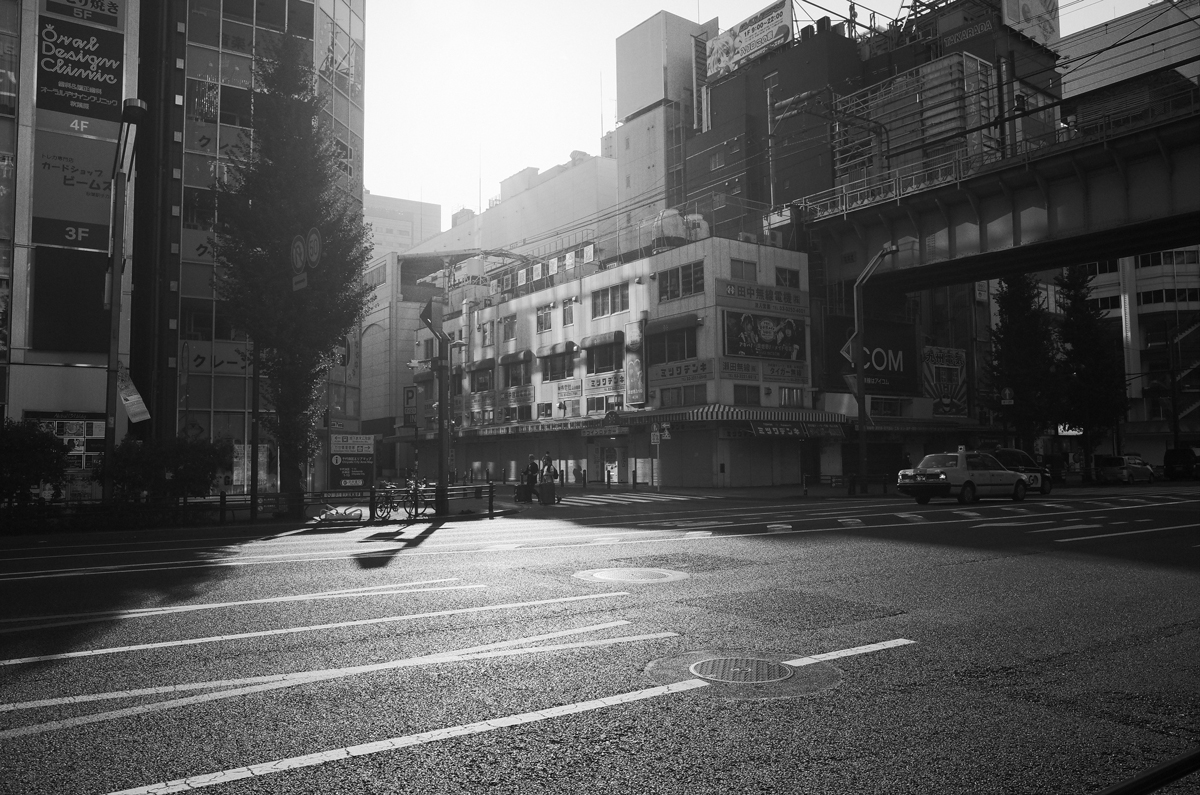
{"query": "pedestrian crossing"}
(630, 498)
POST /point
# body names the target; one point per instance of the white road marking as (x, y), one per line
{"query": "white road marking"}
(911, 517)
(395, 743)
(1072, 527)
(850, 522)
(147, 612)
(833, 655)
(256, 680)
(293, 630)
(163, 706)
(1125, 533)
(778, 528)
(970, 514)
(1011, 524)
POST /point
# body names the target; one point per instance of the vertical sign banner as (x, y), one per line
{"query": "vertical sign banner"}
(635, 371)
(80, 76)
(944, 374)
(72, 184)
(351, 461)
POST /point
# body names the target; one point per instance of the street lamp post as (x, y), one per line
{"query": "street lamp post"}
(132, 113)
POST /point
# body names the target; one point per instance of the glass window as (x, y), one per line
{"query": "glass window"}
(610, 300)
(606, 358)
(481, 380)
(545, 411)
(517, 374)
(508, 328)
(743, 270)
(787, 277)
(236, 70)
(747, 395)
(671, 346)
(545, 320)
(203, 64)
(195, 319)
(557, 367)
(199, 208)
(238, 37)
(691, 395)
(300, 18)
(487, 333)
(568, 313)
(235, 106)
(681, 282)
(229, 392)
(717, 160)
(272, 14)
(204, 21)
(239, 11)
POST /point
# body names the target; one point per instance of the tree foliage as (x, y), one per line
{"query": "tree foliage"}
(1024, 359)
(1092, 398)
(29, 456)
(285, 183)
(178, 467)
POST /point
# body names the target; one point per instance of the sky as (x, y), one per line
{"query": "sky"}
(464, 94)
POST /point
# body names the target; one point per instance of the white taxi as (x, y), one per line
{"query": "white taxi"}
(966, 474)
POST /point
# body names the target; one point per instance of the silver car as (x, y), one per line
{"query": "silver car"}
(1123, 469)
(966, 475)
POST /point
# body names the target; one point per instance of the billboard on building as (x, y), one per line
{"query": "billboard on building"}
(890, 355)
(1037, 19)
(764, 336)
(750, 38)
(944, 377)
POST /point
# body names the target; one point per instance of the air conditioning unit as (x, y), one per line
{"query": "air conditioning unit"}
(487, 302)
(747, 237)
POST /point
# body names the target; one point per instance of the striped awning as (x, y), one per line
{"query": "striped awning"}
(690, 320)
(735, 413)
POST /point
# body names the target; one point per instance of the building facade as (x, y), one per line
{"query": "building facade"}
(399, 224)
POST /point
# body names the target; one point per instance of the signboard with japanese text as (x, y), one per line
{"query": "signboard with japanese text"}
(517, 396)
(750, 38)
(351, 443)
(785, 372)
(481, 401)
(635, 373)
(566, 390)
(102, 13)
(944, 376)
(604, 383)
(72, 186)
(781, 300)
(682, 372)
(740, 370)
(793, 430)
(80, 77)
(351, 470)
(764, 336)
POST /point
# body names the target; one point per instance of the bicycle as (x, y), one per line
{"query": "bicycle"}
(413, 500)
(347, 513)
(387, 504)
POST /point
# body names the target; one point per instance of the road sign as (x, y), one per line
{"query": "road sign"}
(1006, 396)
(299, 281)
(655, 437)
(666, 433)
(299, 255)
(847, 350)
(314, 247)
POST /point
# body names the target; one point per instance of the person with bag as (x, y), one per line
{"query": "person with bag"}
(530, 478)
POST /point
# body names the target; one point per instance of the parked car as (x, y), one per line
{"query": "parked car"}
(1123, 469)
(967, 475)
(1017, 460)
(1181, 464)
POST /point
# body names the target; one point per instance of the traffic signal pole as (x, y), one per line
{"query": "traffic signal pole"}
(441, 493)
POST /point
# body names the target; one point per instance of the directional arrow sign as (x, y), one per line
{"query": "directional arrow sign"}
(848, 350)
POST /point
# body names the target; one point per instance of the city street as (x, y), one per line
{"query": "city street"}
(619, 642)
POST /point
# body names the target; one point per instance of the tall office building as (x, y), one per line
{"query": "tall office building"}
(399, 224)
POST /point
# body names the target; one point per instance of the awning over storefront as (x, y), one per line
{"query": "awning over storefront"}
(423, 376)
(517, 356)
(557, 348)
(812, 419)
(457, 370)
(672, 323)
(482, 364)
(607, 338)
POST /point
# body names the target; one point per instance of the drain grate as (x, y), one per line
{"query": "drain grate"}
(741, 670)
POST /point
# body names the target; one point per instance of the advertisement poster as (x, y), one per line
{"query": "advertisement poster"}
(1037, 19)
(72, 183)
(351, 461)
(764, 336)
(944, 374)
(890, 355)
(755, 297)
(635, 369)
(749, 39)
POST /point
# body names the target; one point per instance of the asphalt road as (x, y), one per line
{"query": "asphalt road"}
(824, 646)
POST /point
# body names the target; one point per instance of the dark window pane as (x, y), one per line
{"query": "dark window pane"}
(272, 14)
(204, 21)
(68, 301)
(235, 106)
(300, 18)
(240, 11)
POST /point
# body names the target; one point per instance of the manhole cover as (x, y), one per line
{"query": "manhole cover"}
(741, 670)
(631, 575)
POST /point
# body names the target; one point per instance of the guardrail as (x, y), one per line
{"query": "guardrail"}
(220, 509)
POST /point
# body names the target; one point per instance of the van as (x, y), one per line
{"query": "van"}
(1181, 464)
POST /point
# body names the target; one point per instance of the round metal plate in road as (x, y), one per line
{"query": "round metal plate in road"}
(631, 575)
(744, 674)
(741, 670)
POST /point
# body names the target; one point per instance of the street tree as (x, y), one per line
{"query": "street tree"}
(1092, 398)
(287, 181)
(29, 456)
(1023, 359)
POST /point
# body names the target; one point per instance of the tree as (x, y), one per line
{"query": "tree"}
(29, 456)
(281, 185)
(1023, 359)
(177, 467)
(1093, 397)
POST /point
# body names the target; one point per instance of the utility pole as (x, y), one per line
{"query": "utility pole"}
(860, 345)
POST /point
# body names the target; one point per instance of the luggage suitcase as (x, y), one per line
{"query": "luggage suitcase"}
(524, 493)
(546, 493)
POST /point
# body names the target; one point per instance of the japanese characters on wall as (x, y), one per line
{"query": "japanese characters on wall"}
(944, 377)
